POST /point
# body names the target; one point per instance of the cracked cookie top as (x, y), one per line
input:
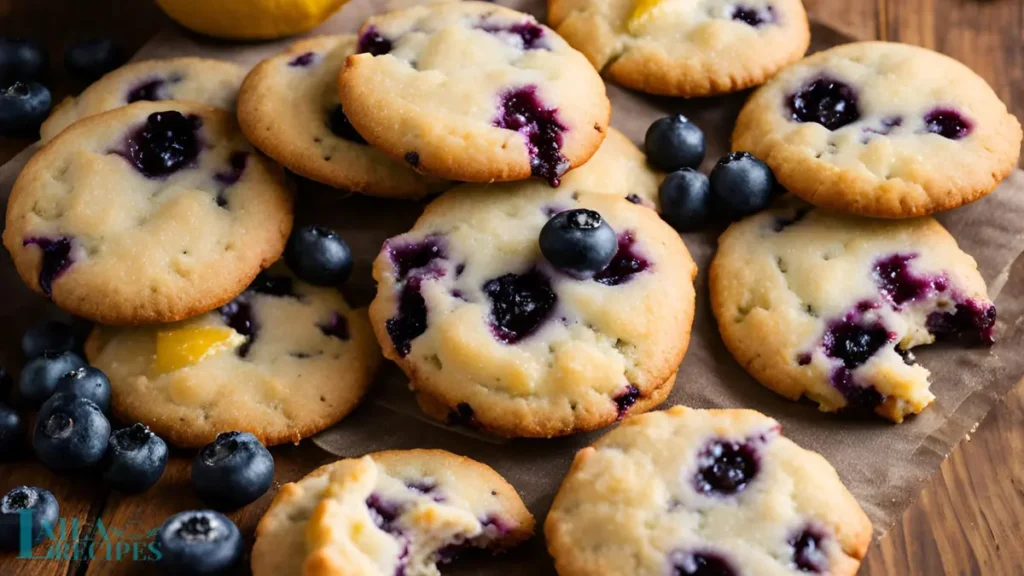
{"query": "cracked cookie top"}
(283, 360)
(154, 212)
(827, 306)
(475, 92)
(881, 129)
(684, 47)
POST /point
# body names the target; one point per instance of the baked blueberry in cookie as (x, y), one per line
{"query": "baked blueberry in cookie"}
(723, 494)
(153, 212)
(283, 360)
(395, 513)
(881, 129)
(201, 80)
(288, 107)
(681, 47)
(474, 92)
(828, 306)
(498, 306)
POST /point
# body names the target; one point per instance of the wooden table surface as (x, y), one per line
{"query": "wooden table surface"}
(968, 519)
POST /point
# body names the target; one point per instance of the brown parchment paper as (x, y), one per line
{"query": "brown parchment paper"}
(883, 464)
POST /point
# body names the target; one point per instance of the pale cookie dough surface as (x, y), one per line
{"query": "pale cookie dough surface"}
(826, 306)
(288, 107)
(475, 92)
(618, 167)
(211, 82)
(283, 361)
(881, 129)
(388, 513)
(483, 325)
(120, 223)
(699, 492)
(685, 47)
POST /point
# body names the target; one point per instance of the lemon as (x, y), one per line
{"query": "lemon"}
(177, 349)
(250, 19)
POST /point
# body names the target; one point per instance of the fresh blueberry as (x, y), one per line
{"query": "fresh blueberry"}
(12, 431)
(71, 433)
(673, 142)
(23, 107)
(578, 242)
(232, 471)
(685, 197)
(21, 60)
(48, 336)
(39, 503)
(319, 256)
(166, 143)
(89, 383)
(40, 376)
(135, 459)
(90, 59)
(741, 185)
(198, 543)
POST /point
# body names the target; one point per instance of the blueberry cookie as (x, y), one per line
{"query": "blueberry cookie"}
(684, 47)
(492, 322)
(288, 107)
(620, 168)
(818, 304)
(475, 92)
(211, 82)
(703, 493)
(394, 512)
(881, 129)
(283, 361)
(154, 212)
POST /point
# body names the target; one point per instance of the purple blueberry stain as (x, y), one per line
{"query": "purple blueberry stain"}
(521, 110)
(372, 42)
(826, 101)
(412, 158)
(635, 199)
(887, 125)
(164, 144)
(947, 123)
(703, 563)
(900, 285)
(238, 315)
(726, 467)
(408, 257)
(854, 342)
(55, 262)
(625, 264)
(462, 415)
(340, 126)
(625, 400)
(302, 60)
(410, 322)
(236, 167)
(859, 399)
(783, 222)
(336, 327)
(150, 91)
(808, 555)
(969, 322)
(520, 304)
(528, 35)
(384, 514)
(752, 16)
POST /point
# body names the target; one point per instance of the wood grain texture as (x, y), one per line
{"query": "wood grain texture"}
(969, 518)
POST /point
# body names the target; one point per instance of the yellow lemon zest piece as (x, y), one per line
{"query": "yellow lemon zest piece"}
(177, 349)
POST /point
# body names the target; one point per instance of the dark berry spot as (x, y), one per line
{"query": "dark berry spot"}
(412, 158)
(56, 260)
(826, 101)
(528, 35)
(233, 174)
(894, 278)
(198, 528)
(947, 123)
(18, 499)
(237, 314)
(969, 322)
(265, 283)
(372, 42)
(803, 359)
(520, 303)
(859, 399)
(726, 467)
(150, 91)
(132, 438)
(413, 256)
(808, 555)
(908, 357)
(854, 344)
(302, 60)
(700, 564)
(411, 320)
(342, 128)
(384, 514)
(752, 16)
(888, 124)
(626, 263)
(783, 222)
(337, 327)
(166, 143)
(521, 110)
(463, 415)
(635, 199)
(625, 400)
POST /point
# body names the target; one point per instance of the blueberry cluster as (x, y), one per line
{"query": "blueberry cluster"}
(739, 184)
(24, 101)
